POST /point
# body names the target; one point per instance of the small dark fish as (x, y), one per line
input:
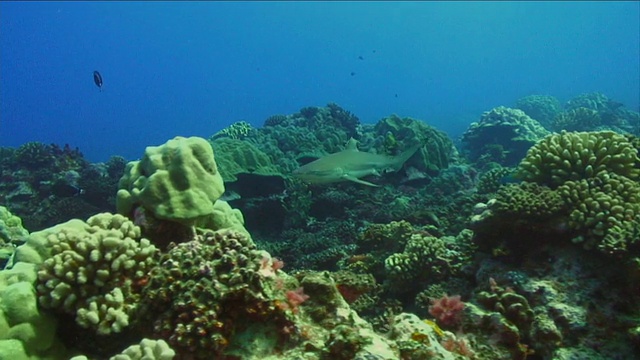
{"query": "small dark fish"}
(97, 78)
(374, 51)
(360, 57)
(396, 95)
(353, 73)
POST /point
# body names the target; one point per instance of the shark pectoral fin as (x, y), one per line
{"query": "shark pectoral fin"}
(355, 179)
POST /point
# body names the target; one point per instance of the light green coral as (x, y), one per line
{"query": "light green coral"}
(25, 331)
(148, 349)
(238, 130)
(223, 217)
(578, 155)
(491, 180)
(92, 270)
(11, 229)
(605, 210)
(527, 201)
(236, 157)
(177, 181)
(11, 234)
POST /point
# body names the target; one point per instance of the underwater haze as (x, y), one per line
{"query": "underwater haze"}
(193, 68)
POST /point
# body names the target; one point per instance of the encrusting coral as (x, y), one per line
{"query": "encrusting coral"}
(578, 155)
(93, 270)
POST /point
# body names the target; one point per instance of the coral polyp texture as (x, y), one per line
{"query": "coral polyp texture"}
(579, 155)
(204, 290)
(92, 270)
(606, 212)
(177, 181)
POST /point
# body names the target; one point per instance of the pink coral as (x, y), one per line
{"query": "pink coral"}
(447, 310)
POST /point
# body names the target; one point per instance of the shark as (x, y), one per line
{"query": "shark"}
(351, 164)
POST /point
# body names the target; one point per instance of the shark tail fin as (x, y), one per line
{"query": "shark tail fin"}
(402, 158)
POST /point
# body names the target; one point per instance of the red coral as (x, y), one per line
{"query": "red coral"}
(447, 310)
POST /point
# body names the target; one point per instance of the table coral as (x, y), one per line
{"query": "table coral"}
(93, 270)
(579, 155)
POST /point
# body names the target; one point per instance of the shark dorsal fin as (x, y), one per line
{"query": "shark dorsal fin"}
(352, 144)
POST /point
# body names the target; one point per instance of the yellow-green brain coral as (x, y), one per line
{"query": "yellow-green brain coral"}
(579, 155)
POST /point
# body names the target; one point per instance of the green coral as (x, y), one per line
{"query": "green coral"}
(91, 270)
(491, 180)
(578, 119)
(605, 210)
(238, 130)
(26, 332)
(427, 258)
(12, 234)
(178, 181)
(238, 157)
(33, 154)
(579, 155)
(543, 108)
(527, 201)
(147, 349)
(394, 133)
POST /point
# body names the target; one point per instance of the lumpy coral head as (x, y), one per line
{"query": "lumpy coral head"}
(177, 181)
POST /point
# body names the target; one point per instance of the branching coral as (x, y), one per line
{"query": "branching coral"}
(605, 210)
(579, 155)
(427, 258)
(93, 271)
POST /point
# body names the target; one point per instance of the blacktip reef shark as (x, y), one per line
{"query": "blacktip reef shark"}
(351, 164)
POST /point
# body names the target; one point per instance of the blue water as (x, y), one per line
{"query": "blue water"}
(193, 68)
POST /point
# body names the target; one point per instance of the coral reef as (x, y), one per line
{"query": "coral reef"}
(543, 108)
(238, 131)
(12, 234)
(543, 268)
(177, 181)
(502, 135)
(26, 331)
(392, 134)
(579, 155)
(91, 270)
(148, 349)
(605, 211)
